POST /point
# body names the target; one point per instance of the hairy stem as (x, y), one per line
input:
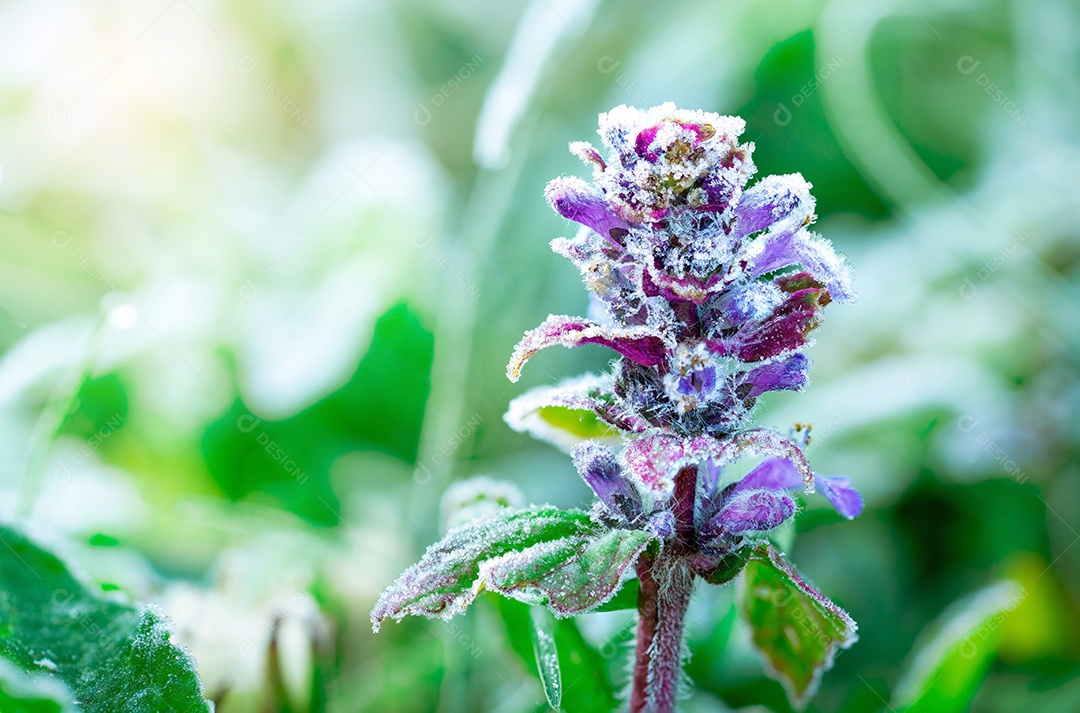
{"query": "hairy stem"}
(666, 585)
(648, 614)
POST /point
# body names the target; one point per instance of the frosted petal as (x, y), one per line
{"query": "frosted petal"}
(640, 344)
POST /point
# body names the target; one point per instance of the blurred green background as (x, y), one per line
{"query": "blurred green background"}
(262, 265)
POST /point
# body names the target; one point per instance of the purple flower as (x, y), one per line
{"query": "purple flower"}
(707, 287)
(599, 468)
(749, 511)
(780, 474)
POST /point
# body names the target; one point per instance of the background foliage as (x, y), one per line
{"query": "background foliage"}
(262, 265)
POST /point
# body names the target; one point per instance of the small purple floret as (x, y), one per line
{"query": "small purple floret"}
(780, 474)
(753, 511)
(599, 468)
(846, 499)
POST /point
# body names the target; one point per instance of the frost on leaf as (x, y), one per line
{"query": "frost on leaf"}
(797, 630)
(447, 578)
(110, 656)
(568, 576)
(575, 410)
(32, 693)
(638, 344)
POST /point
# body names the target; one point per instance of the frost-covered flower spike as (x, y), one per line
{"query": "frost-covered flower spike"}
(707, 288)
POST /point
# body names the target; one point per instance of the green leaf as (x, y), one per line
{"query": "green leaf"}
(547, 656)
(569, 576)
(39, 693)
(112, 658)
(288, 461)
(447, 578)
(579, 423)
(625, 598)
(953, 656)
(587, 679)
(721, 570)
(795, 627)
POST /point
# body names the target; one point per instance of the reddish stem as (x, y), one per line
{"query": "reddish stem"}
(666, 584)
(682, 506)
(648, 599)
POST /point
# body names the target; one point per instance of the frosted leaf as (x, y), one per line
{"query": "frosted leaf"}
(796, 629)
(654, 461)
(568, 576)
(42, 692)
(112, 657)
(447, 578)
(575, 410)
(640, 344)
(588, 155)
(547, 656)
(687, 288)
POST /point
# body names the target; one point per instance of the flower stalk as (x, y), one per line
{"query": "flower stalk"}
(707, 290)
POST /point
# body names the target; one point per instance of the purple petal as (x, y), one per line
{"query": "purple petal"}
(773, 251)
(788, 374)
(790, 324)
(793, 245)
(816, 255)
(771, 200)
(713, 471)
(600, 469)
(662, 524)
(771, 474)
(753, 301)
(780, 474)
(839, 492)
(753, 511)
(638, 344)
(643, 140)
(576, 200)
